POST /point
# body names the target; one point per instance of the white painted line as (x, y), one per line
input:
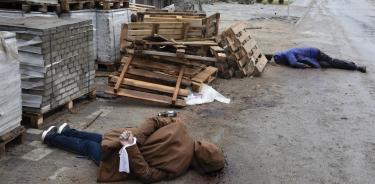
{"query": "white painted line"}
(34, 131)
(58, 173)
(37, 154)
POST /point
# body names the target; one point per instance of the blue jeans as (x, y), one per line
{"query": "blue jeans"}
(79, 142)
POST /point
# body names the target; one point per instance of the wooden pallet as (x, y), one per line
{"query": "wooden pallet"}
(68, 5)
(158, 80)
(36, 118)
(40, 7)
(111, 4)
(242, 49)
(28, 6)
(17, 135)
(208, 26)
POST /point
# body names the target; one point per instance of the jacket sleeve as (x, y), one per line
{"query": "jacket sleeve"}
(293, 62)
(308, 61)
(151, 125)
(140, 168)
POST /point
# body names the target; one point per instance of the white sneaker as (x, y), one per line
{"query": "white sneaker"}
(62, 127)
(50, 130)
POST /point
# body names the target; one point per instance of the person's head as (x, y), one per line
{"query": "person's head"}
(208, 158)
(279, 58)
(133, 18)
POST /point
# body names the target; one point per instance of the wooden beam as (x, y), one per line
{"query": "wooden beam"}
(157, 76)
(127, 61)
(168, 54)
(150, 86)
(178, 84)
(146, 96)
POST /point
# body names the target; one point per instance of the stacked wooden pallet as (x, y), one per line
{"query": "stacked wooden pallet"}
(27, 6)
(135, 8)
(244, 58)
(164, 60)
(68, 5)
(112, 4)
(198, 22)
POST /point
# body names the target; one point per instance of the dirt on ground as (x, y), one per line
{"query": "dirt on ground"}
(287, 126)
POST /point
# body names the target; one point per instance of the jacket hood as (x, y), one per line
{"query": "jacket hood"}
(279, 58)
(207, 157)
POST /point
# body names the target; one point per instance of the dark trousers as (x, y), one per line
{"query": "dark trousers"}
(326, 61)
(79, 142)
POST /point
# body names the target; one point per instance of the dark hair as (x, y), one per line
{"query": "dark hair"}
(133, 18)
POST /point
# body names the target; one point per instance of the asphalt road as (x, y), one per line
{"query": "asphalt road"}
(288, 126)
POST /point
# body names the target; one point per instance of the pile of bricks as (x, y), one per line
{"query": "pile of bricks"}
(57, 65)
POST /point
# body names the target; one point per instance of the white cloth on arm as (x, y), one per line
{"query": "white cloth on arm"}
(124, 158)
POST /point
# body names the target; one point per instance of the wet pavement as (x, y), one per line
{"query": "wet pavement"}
(288, 126)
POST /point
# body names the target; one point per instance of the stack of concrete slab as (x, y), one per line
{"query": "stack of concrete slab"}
(85, 15)
(56, 55)
(10, 84)
(107, 29)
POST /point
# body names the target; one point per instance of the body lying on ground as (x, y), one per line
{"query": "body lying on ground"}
(164, 150)
(310, 57)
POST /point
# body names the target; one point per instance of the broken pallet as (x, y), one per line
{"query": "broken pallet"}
(158, 80)
(17, 135)
(242, 50)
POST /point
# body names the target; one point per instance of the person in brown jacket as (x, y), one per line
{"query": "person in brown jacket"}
(164, 150)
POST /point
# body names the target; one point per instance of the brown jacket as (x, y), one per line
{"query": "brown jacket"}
(164, 150)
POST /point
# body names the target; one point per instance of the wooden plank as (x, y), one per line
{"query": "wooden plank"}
(178, 85)
(150, 86)
(127, 61)
(248, 46)
(205, 75)
(157, 76)
(187, 43)
(123, 37)
(162, 25)
(162, 67)
(160, 31)
(261, 64)
(146, 96)
(168, 54)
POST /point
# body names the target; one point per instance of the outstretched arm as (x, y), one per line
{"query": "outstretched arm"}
(140, 168)
(308, 61)
(293, 62)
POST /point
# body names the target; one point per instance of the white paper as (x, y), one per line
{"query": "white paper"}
(207, 95)
(124, 158)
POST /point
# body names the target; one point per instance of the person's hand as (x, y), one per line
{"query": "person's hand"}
(126, 138)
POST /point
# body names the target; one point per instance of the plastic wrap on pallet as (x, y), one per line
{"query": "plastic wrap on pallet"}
(20, 13)
(10, 82)
(108, 31)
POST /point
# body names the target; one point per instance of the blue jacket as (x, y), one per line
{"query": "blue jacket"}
(299, 57)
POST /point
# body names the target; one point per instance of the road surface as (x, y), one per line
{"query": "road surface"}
(288, 126)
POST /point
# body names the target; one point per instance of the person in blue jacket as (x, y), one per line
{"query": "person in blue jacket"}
(310, 57)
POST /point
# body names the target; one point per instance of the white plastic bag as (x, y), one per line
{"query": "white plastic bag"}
(207, 95)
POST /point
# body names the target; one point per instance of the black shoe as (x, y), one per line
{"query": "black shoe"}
(63, 128)
(51, 130)
(362, 69)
